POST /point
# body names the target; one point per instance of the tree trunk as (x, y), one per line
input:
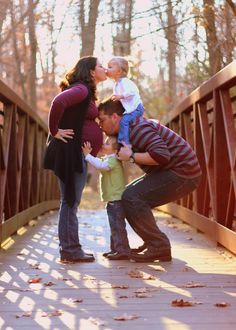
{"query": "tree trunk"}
(88, 29)
(211, 36)
(19, 74)
(33, 52)
(123, 26)
(171, 54)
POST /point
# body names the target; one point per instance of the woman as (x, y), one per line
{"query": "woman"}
(71, 123)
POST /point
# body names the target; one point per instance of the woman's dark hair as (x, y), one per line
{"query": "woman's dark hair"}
(81, 73)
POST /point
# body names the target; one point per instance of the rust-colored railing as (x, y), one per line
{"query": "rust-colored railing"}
(207, 120)
(26, 190)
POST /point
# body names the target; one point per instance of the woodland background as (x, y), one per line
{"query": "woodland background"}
(183, 43)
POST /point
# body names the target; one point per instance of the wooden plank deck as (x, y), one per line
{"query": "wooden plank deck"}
(83, 296)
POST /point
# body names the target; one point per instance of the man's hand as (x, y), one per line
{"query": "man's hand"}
(116, 97)
(125, 152)
(63, 134)
(86, 148)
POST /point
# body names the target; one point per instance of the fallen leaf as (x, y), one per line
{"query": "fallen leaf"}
(126, 317)
(194, 285)
(181, 303)
(25, 314)
(119, 286)
(35, 266)
(159, 269)
(35, 280)
(149, 277)
(123, 297)
(53, 313)
(48, 283)
(135, 274)
(77, 300)
(97, 321)
(143, 295)
(222, 304)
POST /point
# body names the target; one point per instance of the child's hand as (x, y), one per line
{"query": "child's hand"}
(86, 148)
(116, 97)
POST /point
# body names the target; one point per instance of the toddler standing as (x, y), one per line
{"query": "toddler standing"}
(112, 185)
(127, 93)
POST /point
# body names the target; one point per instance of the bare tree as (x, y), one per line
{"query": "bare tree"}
(33, 53)
(213, 45)
(88, 27)
(122, 24)
(171, 52)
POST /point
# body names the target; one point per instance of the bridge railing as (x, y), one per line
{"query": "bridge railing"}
(26, 190)
(207, 120)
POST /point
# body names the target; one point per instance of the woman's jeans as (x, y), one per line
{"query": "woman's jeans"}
(68, 227)
(149, 191)
(116, 217)
(123, 135)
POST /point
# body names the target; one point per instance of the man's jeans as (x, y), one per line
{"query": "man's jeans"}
(149, 191)
(116, 217)
(68, 227)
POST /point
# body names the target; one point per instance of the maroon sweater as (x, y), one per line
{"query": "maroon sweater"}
(75, 95)
(166, 147)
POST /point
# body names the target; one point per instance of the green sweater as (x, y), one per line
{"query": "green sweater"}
(112, 181)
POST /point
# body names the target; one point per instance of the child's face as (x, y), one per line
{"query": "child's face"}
(114, 71)
(107, 147)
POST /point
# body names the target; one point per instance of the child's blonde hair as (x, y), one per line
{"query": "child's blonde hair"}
(123, 64)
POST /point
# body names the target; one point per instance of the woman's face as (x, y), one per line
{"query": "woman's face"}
(99, 73)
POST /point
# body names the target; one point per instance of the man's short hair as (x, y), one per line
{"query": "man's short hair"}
(109, 107)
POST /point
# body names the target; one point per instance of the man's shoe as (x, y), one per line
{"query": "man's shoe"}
(151, 255)
(141, 248)
(105, 254)
(84, 258)
(117, 256)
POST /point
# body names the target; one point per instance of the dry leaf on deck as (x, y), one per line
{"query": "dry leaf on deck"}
(143, 295)
(48, 283)
(119, 286)
(35, 280)
(222, 304)
(97, 321)
(53, 313)
(181, 303)
(194, 285)
(77, 300)
(135, 274)
(25, 314)
(126, 317)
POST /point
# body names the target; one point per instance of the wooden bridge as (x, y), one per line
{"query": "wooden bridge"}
(202, 275)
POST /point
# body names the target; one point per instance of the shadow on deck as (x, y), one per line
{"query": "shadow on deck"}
(89, 296)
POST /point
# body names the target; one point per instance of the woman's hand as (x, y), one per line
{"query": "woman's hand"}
(63, 134)
(86, 148)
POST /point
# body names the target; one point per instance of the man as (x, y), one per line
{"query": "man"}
(171, 172)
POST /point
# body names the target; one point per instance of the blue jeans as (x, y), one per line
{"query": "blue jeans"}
(116, 217)
(123, 135)
(149, 191)
(68, 227)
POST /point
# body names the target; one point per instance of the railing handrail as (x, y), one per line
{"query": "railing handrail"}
(8, 96)
(26, 190)
(206, 119)
(225, 77)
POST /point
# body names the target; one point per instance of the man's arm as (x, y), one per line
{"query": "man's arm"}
(140, 158)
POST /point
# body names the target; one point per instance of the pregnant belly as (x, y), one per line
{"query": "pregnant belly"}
(93, 134)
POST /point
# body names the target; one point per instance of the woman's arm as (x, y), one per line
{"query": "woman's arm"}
(62, 101)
